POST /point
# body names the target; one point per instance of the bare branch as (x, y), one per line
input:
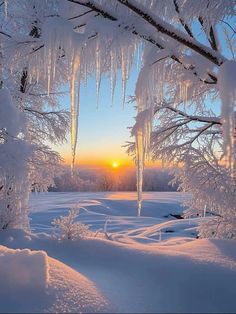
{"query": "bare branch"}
(229, 26)
(5, 34)
(80, 15)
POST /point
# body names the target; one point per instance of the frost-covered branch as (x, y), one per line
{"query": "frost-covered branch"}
(204, 119)
(183, 23)
(174, 33)
(211, 36)
(146, 37)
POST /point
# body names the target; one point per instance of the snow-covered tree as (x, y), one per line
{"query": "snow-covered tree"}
(29, 118)
(185, 89)
(14, 151)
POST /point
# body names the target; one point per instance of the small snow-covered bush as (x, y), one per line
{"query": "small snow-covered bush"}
(70, 229)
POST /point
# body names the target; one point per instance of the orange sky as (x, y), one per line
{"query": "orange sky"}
(104, 160)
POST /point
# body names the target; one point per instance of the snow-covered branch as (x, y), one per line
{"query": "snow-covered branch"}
(174, 33)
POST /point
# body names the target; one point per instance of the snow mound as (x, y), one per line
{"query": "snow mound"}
(23, 268)
(32, 282)
(73, 292)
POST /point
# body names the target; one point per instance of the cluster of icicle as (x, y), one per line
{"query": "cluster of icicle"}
(227, 89)
(60, 38)
(83, 56)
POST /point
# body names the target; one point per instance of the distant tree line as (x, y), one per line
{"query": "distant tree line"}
(155, 179)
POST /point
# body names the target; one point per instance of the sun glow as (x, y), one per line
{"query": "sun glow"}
(115, 164)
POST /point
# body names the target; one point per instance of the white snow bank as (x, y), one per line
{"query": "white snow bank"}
(137, 271)
(23, 268)
(72, 292)
(179, 275)
(32, 282)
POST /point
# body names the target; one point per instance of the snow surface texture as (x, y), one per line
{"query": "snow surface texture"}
(23, 268)
(152, 263)
(30, 281)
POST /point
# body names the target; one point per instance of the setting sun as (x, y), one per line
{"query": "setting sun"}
(115, 164)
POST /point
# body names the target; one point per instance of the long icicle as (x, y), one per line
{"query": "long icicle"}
(74, 93)
(142, 131)
(139, 168)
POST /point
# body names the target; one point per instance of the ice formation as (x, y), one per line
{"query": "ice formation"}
(82, 56)
(184, 90)
(227, 88)
(60, 38)
(148, 91)
(6, 7)
(141, 131)
(74, 92)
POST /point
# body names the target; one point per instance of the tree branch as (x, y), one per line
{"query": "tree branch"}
(80, 15)
(145, 37)
(174, 33)
(213, 120)
(183, 23)
(211, 36)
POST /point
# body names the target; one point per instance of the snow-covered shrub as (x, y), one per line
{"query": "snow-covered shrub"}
(69, 229)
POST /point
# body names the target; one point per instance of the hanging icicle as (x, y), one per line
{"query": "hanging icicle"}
(6, 7)
(124, 75)
(74, 96)
(113, 75)
(98, 71)
(142, 131)
(227, 88)
(139, 168)
(62, 43)
(146, 96)
(60, 37)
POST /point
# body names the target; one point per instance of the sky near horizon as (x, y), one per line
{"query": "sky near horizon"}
(103, 127)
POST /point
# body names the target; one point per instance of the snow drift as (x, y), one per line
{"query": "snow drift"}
(23, 269)
(30, 281)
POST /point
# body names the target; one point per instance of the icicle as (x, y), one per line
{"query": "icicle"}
(49, 70)
(98, 72)
(113, 76)
(85, 78)
(139, 168)
(74, 94)
(6, 7)
(124, 75)
(59, 35)
(141, 131)
(184, 91)
(227, 88)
